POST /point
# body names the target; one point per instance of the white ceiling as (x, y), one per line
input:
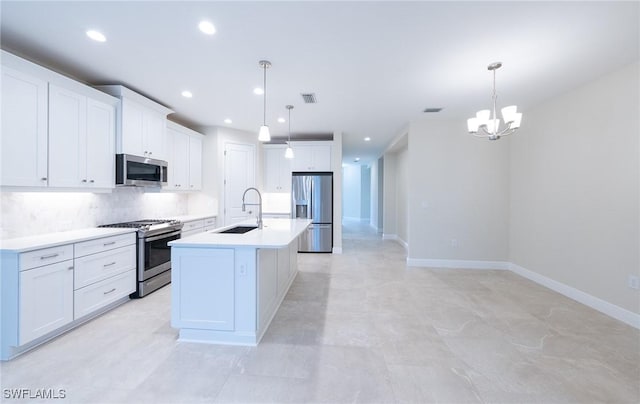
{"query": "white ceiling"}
(374, 66)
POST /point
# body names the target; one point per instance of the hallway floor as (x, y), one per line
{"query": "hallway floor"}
(356, 327)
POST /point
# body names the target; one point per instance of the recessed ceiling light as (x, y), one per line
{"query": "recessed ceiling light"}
(367, 139)
(96, 36)
(258, 91)
(357, 159)
(187, 94)
(228, 121)
(207, 27)
(281, 120)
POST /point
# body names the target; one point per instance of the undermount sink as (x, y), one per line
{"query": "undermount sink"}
(238, 230)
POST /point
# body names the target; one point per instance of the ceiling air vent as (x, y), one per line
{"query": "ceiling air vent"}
(309, 98)
(432, 110)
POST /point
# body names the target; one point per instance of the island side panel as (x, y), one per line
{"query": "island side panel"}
(203, 285)
(245, 291)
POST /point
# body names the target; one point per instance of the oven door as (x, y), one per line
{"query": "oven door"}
(154, 255)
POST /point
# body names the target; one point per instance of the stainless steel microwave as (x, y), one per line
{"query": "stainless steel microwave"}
(140, 171)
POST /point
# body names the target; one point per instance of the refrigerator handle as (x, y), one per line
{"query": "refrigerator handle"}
(310, 212)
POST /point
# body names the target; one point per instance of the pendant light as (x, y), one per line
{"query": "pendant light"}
(263, 134)
(289, 152)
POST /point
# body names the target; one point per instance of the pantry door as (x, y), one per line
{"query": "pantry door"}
(239, 174)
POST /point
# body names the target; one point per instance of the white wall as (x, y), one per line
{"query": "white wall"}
(389, 216)
(336, 165)
(365, 192)
(33, 213)
(459, 198)
(402, 195)
(375, 194)
(351, 191)
(574, 189)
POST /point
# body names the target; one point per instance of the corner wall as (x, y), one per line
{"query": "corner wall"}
(459, 199)
(574, 192)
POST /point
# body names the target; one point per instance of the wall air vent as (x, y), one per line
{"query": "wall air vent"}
(432, 110)
(309, 98)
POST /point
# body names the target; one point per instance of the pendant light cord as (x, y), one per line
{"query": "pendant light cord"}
(264, 115)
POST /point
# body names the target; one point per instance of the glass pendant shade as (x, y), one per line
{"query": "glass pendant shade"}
(289, 152)
(493, 125)
(472, 125)
(263, 134)
(517, 120)
(509, 113)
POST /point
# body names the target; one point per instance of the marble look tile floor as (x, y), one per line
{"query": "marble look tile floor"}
(356, 327)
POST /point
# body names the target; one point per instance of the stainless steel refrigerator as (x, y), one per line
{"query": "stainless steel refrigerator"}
(312, 198)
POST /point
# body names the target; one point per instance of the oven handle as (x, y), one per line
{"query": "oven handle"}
(163, 235)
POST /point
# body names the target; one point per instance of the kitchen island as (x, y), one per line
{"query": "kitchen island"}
(226, 287)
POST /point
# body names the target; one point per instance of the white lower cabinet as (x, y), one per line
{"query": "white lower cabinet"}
(46, 300)
(97, 295)
(191, 227)
(47, 291)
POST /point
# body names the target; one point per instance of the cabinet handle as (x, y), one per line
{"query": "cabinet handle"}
(111, 291)
(46, 257)
(109, 243)
(43, 179)
(84, 180)
(92, 181)
(70, 268)
(109, 264)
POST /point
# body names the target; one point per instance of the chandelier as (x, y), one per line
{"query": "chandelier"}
(488, 125)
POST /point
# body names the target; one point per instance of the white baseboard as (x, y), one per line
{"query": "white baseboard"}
(466, 264)
(596, 303)
(397, 239)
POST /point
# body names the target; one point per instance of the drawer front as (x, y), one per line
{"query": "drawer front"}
(96, 267)
(45, 256)
(191, 232)
(104, 244)
(210, 221)
(95, 296)
(192, 225)
(207, 228)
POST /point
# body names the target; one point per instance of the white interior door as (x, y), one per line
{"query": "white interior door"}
(239, 174)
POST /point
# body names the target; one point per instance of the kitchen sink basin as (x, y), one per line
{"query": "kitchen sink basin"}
(238, 230)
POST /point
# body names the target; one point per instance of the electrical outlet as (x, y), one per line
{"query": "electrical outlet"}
(454, 242)
(634, 281)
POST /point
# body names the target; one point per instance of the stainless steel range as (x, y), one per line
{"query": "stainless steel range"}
(154, 255)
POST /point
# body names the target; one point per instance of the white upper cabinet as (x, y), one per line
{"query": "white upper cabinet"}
(185, 158)
(81, 140)
(141, 124)
(311, 156)
(56, 132)
(23, 139)
(195, 162)
(277, 169)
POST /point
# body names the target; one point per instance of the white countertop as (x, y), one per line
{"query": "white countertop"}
(275, 233)
(22, 244)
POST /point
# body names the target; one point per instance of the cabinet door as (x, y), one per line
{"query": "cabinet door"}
(67, 138)
(132, 128)
(302, 158)
(273, 157)
(100, 144)
(46, 299)
(23, 137)
(180, 161)
(154, 124)
(195, 163)
(321, 157)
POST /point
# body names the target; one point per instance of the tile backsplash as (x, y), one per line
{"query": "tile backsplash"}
(32, 213)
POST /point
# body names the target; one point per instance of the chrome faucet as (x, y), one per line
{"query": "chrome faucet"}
(244, 205)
